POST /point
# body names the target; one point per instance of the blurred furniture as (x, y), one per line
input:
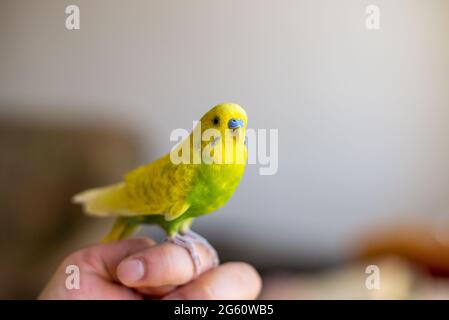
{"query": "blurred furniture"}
(412, 259)
(424, 243)
(41, 167)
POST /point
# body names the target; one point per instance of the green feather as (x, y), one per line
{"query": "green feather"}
(212, 188)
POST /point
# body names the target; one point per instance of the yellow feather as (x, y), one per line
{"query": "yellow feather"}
(165, 188)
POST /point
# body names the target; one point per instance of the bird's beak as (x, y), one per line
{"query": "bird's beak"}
(235, 123)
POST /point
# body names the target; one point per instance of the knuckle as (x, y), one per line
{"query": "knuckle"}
(143, 242)
(75, 257)
(174, 266)
(169, 261)
(83, 257)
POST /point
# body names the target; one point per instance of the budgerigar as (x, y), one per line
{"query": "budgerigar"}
(172, 193)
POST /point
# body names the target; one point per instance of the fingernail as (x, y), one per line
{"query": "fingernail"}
(130, 271)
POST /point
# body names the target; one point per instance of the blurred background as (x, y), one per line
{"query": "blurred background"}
(363, 120)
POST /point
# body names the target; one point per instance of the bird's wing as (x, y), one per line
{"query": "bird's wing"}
(160, 187)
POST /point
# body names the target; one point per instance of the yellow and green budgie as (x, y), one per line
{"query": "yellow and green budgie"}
(172, 193)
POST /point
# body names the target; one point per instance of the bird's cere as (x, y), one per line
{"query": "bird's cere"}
(234, 124)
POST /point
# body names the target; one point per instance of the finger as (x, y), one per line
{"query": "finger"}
(104, 258)
(234, 280)
(167, 264)
(157, 292)
(96, 266)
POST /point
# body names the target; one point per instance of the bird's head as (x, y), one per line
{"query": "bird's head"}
(219, 137)
(226, 117)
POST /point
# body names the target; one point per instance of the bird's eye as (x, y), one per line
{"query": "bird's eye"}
(216, 120)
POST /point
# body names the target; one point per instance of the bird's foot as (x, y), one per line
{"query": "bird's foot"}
(188, 244)
(200, 239)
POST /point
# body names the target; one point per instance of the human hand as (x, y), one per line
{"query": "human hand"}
(137, 268)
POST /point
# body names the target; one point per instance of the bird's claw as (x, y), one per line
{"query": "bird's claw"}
(187, 240)
(200, 239)
(188, 244)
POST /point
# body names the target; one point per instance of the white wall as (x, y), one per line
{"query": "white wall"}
(363, 116)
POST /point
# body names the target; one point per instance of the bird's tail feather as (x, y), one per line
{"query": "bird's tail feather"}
(103, 202)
